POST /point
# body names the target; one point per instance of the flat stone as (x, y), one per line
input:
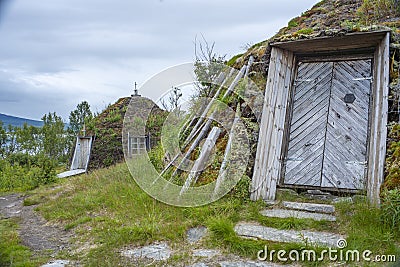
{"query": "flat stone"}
(158, 252)
(342, 200)
(252, 230)
(56, 263)
(281, 213)
(248, 264)
(70, 173)
(199, 264)
(317, 192)
(326, 196)
(208, 253)
(194, 235)
(323, 208)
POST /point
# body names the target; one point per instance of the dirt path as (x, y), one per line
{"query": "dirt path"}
(34, 230)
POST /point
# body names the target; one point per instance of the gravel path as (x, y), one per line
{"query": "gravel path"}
(34, 230)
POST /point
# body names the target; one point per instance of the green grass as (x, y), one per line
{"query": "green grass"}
(119, 214)
(366, 229)
(233, 60)
(11, 252)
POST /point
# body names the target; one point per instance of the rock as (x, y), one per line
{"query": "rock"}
(200, 264)
(56, 263)
(271, 202)
(253, 230)
(309, 207)
(209, 253)
(281, 213)
(248, 264)
(342, 200)
(194, 235)
(318, 195)
(158, 252)
(317, 192)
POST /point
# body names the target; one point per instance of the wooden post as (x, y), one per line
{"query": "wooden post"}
(268, 158)
(379, 109)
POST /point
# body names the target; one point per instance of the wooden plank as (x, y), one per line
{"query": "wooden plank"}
(268, 186)
(303, 169)
(201, 162)
(267, 165)
(377, 145)
(260, 164)
(350, 41)
(201, 119)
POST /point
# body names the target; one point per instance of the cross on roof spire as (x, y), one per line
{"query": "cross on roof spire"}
(136, 91)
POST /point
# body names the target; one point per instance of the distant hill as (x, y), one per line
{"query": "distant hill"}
(19, 122)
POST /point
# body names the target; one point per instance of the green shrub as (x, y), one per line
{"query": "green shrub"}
(241, 189)
(156, 156)
(26, 172)
(391, 208)
(392, 179)
(374, 10)
(293, 23)
(305, 31)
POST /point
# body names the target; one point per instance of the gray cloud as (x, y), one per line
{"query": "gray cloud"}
(58, 53)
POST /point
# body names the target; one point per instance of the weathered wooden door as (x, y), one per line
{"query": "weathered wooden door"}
(329, 124)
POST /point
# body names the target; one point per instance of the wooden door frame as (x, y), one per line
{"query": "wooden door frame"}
(281, 74)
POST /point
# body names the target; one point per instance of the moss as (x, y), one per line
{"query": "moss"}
(392, 180)
(304, 31)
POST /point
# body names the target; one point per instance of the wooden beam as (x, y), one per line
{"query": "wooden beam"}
(351, 41)
(200, 163)
(378, 132)
(267, 163)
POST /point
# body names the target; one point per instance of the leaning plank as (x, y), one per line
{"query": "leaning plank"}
(223, 171)
(251, 61)
(195, 129)
(198, 123)
(202, 160)
(193, 146)
(210, 105)
(208, 122)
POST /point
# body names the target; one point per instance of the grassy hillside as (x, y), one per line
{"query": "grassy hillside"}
(106, 211)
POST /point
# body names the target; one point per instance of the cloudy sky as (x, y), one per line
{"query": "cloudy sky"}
(56, 53)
